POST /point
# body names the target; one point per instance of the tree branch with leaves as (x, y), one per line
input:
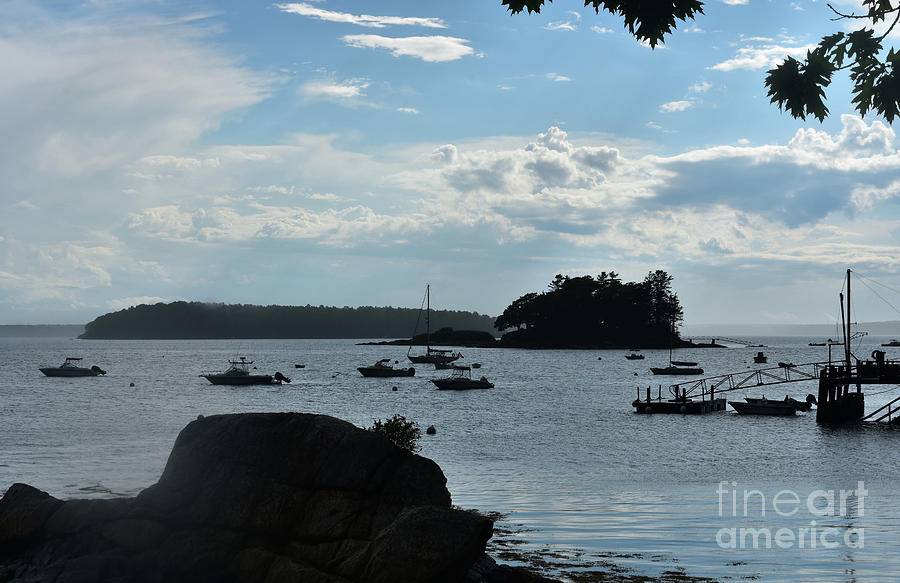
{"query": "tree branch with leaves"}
(798, 87)
(648, 20)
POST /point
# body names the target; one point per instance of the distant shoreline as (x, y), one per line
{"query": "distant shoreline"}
(41, 330)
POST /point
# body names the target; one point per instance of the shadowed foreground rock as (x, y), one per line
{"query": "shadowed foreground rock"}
(264, 497)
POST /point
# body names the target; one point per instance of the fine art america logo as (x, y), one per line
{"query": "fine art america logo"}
(811, 518)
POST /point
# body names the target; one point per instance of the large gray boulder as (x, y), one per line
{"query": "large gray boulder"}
(263, 497)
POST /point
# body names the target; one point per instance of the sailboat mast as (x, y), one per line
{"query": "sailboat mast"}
(847, 342)
(427, 318)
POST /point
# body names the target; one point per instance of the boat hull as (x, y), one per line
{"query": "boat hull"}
(776, 409)
(431, 359)
(382, 372)
(676, 370)
(241, 380)
(786, 408)
(69, 372)
(461, 384)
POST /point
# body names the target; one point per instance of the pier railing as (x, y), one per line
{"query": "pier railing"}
(760, 377)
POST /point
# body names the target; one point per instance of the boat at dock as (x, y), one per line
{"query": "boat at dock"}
(461, 379)
(238, 373)
(70, 368)
(383, 369)
(762, 406)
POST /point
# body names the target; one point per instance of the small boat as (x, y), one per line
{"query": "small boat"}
(760, 358)
(786, 364)
(70, 368)
(684, 363)
(634, 356)
(891, 343)
(461, 379)
(676, 370)
(443, 365)
(238, 373)
(788, 407)
(383, 368)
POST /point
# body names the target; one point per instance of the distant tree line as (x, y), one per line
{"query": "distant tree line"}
(209, 320)
(603, 311)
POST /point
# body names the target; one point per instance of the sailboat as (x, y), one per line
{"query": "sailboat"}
(676, 367)
(432, 355)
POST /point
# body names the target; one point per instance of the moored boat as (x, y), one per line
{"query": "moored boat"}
(789, 406)
(676, 370)
(891, 343)
(461, 379)
(684, 363)
(634, 356)
(383, 368)
(238, 373)
(760, 358)
(70, 368)
(432, 355)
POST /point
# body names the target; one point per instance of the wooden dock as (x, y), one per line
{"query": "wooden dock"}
(681, 404)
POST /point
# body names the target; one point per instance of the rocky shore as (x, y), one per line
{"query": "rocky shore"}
(260, 497)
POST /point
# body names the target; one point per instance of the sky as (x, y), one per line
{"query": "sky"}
(347, 153)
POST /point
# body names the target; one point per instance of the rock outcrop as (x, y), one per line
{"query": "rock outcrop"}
(263, 497)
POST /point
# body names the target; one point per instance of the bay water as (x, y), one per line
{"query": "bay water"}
(576, 480)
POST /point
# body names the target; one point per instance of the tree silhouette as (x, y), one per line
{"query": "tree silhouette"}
(602, 311)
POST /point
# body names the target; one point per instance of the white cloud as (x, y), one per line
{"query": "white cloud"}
(602, 29)
(410, 110)
(304, 9)
(701, 87)
(736, 2)
(90, 98)
(431, 49)
(761, 57)
(557, 77)
(673, 106)
(347, 91)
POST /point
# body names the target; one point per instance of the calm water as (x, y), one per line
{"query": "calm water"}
(555, 447)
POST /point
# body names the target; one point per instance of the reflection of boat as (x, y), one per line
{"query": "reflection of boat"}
(891, 343)
(238, 373)
(460, 379)
(634, 356)
(432, 355)
(70, 368)
(676, 370)
(763, 406)
(383, 368)
(760, 358)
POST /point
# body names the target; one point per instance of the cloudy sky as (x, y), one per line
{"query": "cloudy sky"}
(345, 153)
